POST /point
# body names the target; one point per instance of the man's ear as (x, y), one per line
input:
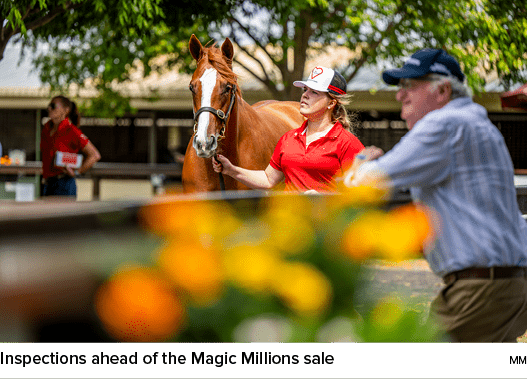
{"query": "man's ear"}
(445, 92)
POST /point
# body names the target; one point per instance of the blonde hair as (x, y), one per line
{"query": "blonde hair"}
(340, 113)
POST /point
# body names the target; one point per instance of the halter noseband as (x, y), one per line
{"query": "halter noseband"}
(219, 113)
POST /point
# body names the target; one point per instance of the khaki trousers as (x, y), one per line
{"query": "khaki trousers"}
(483, 310)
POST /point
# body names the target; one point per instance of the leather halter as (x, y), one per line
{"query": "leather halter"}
(223, 117)
(219, 113)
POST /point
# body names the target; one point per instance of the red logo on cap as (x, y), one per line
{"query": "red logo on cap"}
(316, 72)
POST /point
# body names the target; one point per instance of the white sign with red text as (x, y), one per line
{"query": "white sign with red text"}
(68, 159)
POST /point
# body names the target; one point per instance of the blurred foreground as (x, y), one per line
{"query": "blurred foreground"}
(284, 268)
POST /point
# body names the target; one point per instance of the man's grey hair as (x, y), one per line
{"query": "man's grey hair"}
(459, 89)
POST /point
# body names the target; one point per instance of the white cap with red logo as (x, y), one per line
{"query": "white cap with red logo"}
(324, 79)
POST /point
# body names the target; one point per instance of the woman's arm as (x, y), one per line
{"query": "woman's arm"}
(92, 156)
(256, 179)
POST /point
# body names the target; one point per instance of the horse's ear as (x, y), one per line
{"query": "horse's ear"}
(228, 51)
(195, 47)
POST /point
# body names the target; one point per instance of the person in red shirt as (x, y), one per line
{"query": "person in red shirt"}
(61, 134)
(311, 157)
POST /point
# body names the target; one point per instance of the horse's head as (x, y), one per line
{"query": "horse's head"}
(214, 91)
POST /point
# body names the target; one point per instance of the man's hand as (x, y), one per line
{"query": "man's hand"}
(371, 153)
(367, 154)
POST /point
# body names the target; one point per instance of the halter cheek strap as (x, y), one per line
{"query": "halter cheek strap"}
(219, 113)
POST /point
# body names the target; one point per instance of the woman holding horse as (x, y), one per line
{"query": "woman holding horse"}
(311, 157)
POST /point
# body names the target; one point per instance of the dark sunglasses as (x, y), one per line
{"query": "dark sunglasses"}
(52, 105)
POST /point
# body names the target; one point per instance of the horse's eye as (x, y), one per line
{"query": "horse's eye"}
(191, 88)
(227, 89)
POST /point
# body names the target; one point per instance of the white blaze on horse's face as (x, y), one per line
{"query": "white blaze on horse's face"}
(206, 146)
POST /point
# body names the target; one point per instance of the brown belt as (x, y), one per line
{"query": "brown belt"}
(486, 273)
(46, 181)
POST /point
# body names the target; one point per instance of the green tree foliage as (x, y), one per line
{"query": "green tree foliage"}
(101, 44)
(97, 23)
(485, 35)
(498, 31)
(67, 18)
(105, 42)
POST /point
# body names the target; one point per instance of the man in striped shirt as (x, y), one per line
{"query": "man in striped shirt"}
(455, 162)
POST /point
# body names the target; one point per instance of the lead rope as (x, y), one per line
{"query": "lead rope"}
(222, 180)
(231, 104)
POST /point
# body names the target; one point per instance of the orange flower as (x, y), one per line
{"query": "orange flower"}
(5, 160)
(396, 235)
(193, 268)
(418, 216)
(136, 304)
(172, 217)
(406, 229)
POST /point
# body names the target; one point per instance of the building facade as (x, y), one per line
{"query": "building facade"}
(161, 130)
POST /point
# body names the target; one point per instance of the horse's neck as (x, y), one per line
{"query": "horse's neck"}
(244, 118)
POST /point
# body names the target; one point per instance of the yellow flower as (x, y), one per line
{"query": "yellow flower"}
(405, 230)
(194, 268)
(290, 232)
(292, 203)
(303, 288)
(251, 266)
(359, 196)
(361, 237)
(137, 304)
(387, 312)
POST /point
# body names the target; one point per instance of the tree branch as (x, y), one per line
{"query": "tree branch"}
(373, 45)
(266, 81)
(258, 43)
(282, 64)
(51, 15)
(243, 49)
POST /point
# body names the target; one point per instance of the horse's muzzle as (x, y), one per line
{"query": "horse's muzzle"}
(205, 149)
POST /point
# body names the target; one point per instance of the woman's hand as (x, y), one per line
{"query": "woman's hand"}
(69, 171)
(221, 164)
(255, 179)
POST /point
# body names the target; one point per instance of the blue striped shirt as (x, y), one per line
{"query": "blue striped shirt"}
(455, 161)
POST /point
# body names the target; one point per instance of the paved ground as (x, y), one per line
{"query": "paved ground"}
(412, 281)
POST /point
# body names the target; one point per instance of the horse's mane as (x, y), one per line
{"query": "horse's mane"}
(218, 61)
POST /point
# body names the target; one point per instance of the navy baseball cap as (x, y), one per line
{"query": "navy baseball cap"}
(424, 62)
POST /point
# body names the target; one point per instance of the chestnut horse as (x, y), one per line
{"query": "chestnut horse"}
(224, 123)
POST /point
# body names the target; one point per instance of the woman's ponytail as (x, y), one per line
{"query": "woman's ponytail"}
(74, 114)
(348, 120)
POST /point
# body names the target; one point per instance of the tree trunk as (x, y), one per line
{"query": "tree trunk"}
(303, 32)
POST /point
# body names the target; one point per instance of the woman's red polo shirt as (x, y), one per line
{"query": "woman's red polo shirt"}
(318, 165)
(67, 138)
